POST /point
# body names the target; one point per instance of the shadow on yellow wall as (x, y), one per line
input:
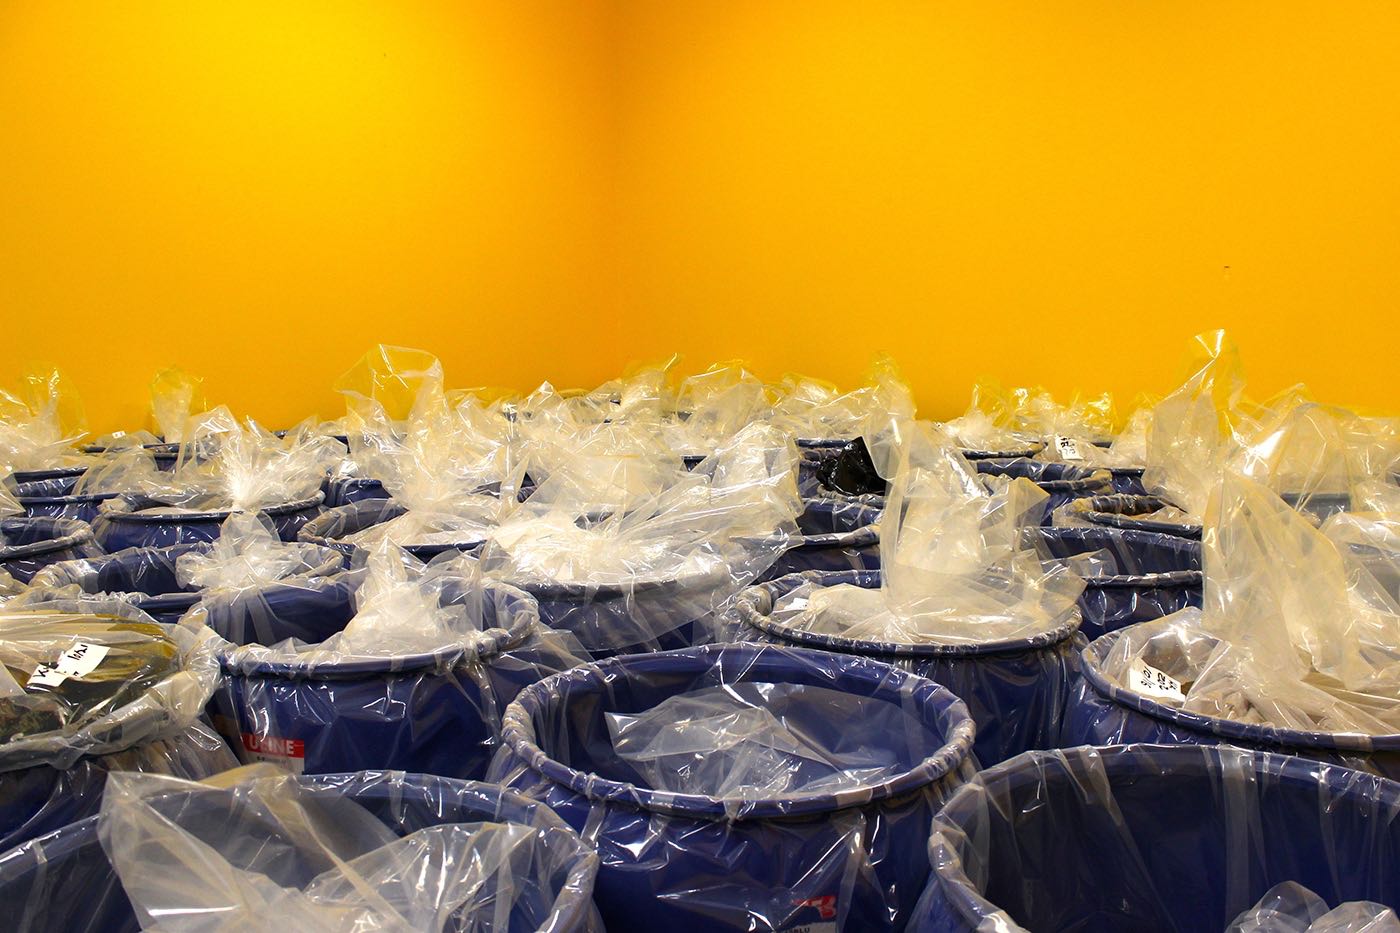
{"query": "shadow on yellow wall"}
(1056, 194)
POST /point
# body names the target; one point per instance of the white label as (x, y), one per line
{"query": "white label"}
(78, 661)
(795, 605)
(45, 676)
(1147, 680)
(1068, 448)
(812, 928)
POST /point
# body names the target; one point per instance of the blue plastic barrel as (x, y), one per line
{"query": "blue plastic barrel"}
(1030, 449)
(1149, 838)
(1127, 481)
(1102, 712)
(58, 481)
(39, 799)
(834, 533)
(1062, 481)
(354, 489)
(682, 861)
(1126, 512)
(1015, 689)
(332, 527)
(147, 579)
(1150, 575)
(27, 545)
(435, 713)
(39, 501)
(653, 611)
(151, 524)
(62, 882)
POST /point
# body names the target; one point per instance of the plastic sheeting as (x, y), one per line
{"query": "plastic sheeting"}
(792, 786)
(65, 882)
(657, 571)
(1014, 688)
(1137, 576)
(1063, 482)
(397, 666)
(356, 526)
(834, 533)
(28, 545)
(1303, 633)
(1103, 711)
(1289, 907)
(82, 693)
(167, 582)
(246, 470)
(1130, 513)
(1154, 838)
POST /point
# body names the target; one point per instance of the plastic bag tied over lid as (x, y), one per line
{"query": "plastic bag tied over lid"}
(955, 566)
(730, 517)
(90, 677)
(1291, 908)
(254, 846)
(39, 423)
(1300, 628)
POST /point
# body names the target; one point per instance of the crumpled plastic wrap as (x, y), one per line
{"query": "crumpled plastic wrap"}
(811, 409)
(1298, 629)
(39, 424)
(990, 427)
(1288, 907)
(254, 845)
(247, 553)
(955, 564)
(246, 469)
(661, 561)
(451, 466)
(1171, 838)
(89, 677)
(177, 401)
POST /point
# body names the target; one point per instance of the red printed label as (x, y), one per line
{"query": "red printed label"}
(826, 905)
(289, 753)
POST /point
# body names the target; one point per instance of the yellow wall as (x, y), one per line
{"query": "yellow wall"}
(262, 190)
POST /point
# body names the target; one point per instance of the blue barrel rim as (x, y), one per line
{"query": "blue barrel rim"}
(823, 443)
(1112, 511)
(518, 735)
(1011, 453)
(509, 805)
(312, 532)
(182, 600)
(38, 476)
(200, 516)
(1162, 578)
(1223, 728)
(484, 645)
(865, 535)
(1025, 768)
(1089, 478)
(77, 533)
(657, 582)
(91, 498)
(752, 612)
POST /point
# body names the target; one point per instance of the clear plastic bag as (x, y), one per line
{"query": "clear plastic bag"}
(176, 401)
(247, 553)
(90, 676)
(1289, 907)
(39, 424)
(1303, 629)
(956, 566)
(754, 740)
(255, 844)
(809, 408)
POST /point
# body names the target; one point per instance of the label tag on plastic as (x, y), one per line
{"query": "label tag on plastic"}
(78, 661)
(285, 753)
(1147, 680)
(1068, 448)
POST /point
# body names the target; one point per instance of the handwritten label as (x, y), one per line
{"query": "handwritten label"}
(1068, 448)
(78, 661)
(1147, 680)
